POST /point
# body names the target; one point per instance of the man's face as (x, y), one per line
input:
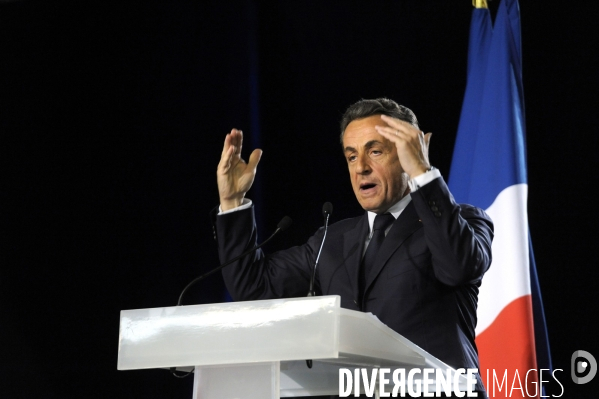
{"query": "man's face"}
(374, 168)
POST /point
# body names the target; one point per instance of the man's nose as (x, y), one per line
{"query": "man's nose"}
(363, 165)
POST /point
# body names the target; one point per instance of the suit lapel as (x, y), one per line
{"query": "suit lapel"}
(402, 228)
(353, 247)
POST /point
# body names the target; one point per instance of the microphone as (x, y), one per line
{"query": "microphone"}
(282, 226)
(327, 210)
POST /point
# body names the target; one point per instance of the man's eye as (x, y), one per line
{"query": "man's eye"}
(376, 152)
(351, 158)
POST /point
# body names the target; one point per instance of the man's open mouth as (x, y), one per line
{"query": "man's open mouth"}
(367, 186)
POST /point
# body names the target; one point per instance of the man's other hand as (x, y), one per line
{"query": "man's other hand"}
(233, 175)
(412, 144)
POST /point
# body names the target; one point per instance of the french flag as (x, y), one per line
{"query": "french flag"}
(489, 171)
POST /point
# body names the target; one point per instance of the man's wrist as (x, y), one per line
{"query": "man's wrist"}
(227, 205)
(418, 181)
(245, 203)
(421, 171)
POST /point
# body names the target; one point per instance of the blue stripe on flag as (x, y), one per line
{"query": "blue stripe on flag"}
(460, 175)
(491, 128)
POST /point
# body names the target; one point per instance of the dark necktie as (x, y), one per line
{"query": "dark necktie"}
(381, 223)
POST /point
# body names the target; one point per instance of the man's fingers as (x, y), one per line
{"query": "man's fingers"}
(235, 139)
(397, 124)
(231, 155)
(239, 142)
(226, 160)
(392, 134)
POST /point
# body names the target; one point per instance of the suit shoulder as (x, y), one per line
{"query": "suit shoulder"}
(467, 210)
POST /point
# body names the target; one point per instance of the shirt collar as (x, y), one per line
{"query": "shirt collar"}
(395, 210)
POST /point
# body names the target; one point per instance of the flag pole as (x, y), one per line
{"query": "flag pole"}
(480, 3)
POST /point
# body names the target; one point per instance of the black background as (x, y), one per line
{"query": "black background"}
(112, 118)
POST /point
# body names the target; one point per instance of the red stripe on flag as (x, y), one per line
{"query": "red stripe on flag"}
(508, 344)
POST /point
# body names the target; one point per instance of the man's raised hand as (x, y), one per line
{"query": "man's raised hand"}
(412, 144)
(233, 175)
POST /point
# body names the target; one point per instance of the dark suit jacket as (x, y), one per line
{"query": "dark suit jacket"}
(424, 283)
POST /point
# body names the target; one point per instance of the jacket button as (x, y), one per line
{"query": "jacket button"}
(434, 208)
(438, 214)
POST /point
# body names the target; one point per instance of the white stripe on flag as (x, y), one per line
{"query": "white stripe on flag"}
(508, 277)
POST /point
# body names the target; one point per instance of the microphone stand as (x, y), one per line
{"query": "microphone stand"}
(327, 210)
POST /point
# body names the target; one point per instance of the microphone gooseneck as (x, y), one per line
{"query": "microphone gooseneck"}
(283, 225)
(327, 210)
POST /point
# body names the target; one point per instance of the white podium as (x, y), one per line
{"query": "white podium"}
(259, 349)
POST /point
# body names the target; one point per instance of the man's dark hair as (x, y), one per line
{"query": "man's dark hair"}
(378, 106)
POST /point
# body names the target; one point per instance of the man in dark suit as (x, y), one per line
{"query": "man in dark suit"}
(415, 259)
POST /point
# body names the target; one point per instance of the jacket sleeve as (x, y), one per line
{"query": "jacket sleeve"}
(283, 274)
(459, 236)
